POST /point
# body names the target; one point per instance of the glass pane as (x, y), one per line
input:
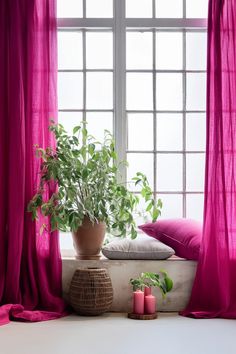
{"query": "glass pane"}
(139, 50)
(140, 131)
(196, 91)
(195, 131)
(195, 204)
(195, 44)
(169, 172)
(169, 50)
(99, 91)
(70, 90)
(66, 242)
(139, 163)
(197, 9)
(99, 50)
(99, 8)
(69, 8)
(98, 122)
(169, 134)
(172, 206)
(139, 8)
(169, 91)
(139, 91)
(169, 8)
(69, 120)
(195, 166)
(70, 50)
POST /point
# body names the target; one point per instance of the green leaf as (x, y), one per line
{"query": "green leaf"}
(76, 129)
(168, 283)
(150, 205)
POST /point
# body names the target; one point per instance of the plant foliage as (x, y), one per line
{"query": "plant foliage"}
(149, 279)
(87, 174)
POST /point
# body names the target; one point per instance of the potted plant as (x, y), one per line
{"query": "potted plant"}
(90, 198)
(149, 279)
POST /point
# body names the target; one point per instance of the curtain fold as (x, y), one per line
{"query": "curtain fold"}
(214, 289)
(30, 263)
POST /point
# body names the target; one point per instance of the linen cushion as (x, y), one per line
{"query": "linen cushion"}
(183, 235)
(140, 248)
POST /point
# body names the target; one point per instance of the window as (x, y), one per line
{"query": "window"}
(138, 68)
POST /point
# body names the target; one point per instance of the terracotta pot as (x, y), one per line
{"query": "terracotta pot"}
(88, 239)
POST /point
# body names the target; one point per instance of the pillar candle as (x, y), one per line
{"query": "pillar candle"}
(150, 304)
(138, 302)
(147, 291)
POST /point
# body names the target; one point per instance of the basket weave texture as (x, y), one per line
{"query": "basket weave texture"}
(91, 291)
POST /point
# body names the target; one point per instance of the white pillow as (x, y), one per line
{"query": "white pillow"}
(140, 248)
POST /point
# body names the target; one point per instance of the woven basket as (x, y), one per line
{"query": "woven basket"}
(91, 292)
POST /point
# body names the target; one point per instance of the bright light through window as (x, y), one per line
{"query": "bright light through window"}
(146, 83)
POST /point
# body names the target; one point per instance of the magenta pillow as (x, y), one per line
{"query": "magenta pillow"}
(183, 235)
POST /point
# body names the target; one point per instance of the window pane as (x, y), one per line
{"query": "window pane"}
(69, 8)
(140, 131)
(169, 172)
(195, 132)
(139, 91)
(169, 134)
(196, 91)
(99, 91)
(70, 90)
(66, 242)
(195, 165)
(139, 163)
(99, 8)
(197, 9)
(195, 204)
(169, 8)
(138, 8)
(169, 91)
(98, 122)
(169, 50)
(69, 120)
(172, 206)
(70, 50)
(195, 44)
(99, 50)
(139, 50)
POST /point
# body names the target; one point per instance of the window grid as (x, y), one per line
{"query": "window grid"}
(184, 71)
(84, 110)
(120, 25)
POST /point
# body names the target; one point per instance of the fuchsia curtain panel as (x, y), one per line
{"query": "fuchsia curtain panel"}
(30, 264)
(214, 290)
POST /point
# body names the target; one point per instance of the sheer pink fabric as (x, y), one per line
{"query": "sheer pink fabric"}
(214, 290)
(30, 264)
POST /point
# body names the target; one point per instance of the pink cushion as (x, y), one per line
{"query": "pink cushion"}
(183, 235)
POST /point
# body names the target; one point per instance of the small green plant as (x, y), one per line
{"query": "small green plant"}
(149, 279)
(87, 174)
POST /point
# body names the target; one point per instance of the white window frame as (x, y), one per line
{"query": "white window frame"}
(119, 25)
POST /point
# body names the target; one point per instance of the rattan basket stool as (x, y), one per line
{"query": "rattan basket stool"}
(91, 291)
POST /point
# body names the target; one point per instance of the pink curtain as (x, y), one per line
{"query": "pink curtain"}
(30, 264)
(214, 290)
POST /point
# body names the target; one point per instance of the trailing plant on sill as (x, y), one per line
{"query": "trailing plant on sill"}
(149, 279)
(86, 172)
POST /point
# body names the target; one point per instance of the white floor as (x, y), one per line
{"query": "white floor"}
(115, 334)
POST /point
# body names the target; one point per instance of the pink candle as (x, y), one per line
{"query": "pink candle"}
(147, 291)
(138, 302)
(150, 304)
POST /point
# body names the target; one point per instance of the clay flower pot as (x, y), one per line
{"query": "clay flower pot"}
(88, 239)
